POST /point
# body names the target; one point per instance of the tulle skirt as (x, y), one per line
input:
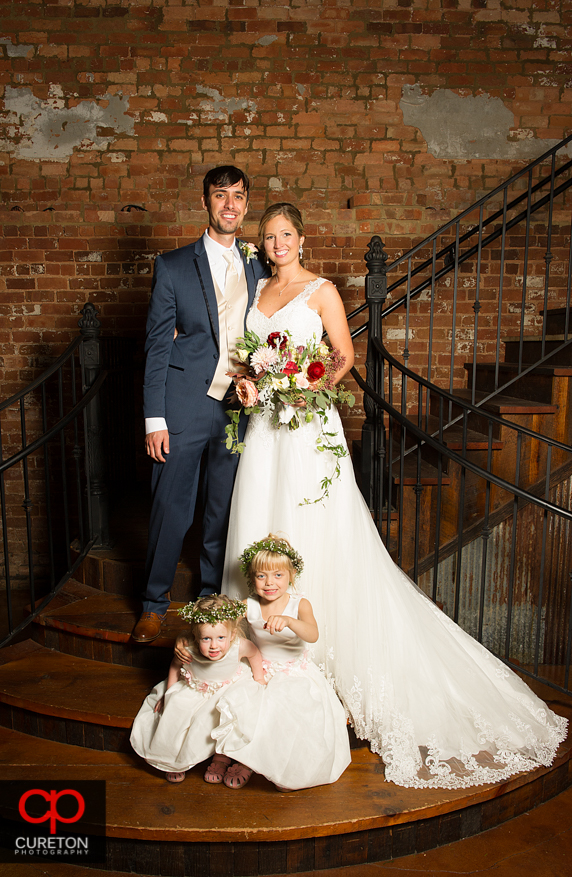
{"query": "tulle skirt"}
(439, 708)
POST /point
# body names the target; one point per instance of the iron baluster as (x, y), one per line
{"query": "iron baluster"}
(64, 472)
(90, 355)
(47, 470)
(375, 293)
(27, 506)
(477, 308)
(5, 545)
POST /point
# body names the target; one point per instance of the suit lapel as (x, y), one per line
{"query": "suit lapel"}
(250, 279)
(203, 270)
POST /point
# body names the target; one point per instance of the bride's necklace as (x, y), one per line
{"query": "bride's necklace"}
(288, 284)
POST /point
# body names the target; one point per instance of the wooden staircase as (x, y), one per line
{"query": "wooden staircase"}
(540, 401)
(68, 697)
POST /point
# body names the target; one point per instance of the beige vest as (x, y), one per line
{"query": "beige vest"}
(230, 327)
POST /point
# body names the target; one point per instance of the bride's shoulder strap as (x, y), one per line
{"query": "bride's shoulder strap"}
(260, 286)
(311, 288)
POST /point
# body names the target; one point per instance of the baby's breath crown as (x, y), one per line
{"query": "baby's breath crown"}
(230, 610)
(277, 546)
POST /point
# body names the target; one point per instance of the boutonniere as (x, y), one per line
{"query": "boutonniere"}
(248, 250)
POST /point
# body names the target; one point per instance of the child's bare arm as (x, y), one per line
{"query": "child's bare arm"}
(174, 672)
(304, 626)
(248, 650)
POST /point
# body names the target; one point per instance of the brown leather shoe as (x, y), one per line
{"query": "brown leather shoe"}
(148, 627)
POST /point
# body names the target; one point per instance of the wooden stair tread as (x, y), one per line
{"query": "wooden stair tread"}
(429, 474)
(55, 684)
(507, 404)
(453, 435)
(513, 367)
(94, 613)
(142, 805)
(18, 650)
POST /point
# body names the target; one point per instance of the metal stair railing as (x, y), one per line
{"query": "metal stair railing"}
(458, 249)
(543, 650)
(57, 477)
(453, 551)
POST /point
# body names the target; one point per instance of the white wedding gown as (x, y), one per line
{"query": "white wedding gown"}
(439, 708)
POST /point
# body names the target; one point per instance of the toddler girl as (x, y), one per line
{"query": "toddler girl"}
(294, 731)
(172, 730)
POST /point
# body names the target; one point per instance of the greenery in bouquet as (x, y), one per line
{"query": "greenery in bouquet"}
(294, 384)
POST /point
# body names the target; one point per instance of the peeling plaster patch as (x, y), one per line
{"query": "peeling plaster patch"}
(90, 257)
(117, 157)
(157, 117)
(398, 334)
(265, 41)
(220, 108)
(543, 41)
(275, 183)
(358, 282)
(532, 282)
(522, 134)
(15, 51)
(467, 127)
(301, 89)
(45, 130)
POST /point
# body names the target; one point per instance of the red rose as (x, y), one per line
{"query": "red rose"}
(316, 371)
(290, 368)
(276, 338)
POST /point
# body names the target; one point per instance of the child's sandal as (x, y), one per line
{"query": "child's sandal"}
(176, 777)
(237, 776)
(217, 769)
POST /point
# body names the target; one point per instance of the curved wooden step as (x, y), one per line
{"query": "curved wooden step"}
(202, 830)
(90, 623)
(72, 700)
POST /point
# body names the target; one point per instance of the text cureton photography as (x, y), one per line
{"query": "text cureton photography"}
(61, 820)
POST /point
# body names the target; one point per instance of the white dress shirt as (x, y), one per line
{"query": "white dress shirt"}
(218, 267)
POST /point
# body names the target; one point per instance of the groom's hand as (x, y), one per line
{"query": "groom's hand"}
(157, 444)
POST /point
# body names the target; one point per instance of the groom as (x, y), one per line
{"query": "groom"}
(201, 294)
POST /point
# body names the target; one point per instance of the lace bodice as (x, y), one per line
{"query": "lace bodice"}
(301, 321)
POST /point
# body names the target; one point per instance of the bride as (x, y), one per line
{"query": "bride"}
(439, 708)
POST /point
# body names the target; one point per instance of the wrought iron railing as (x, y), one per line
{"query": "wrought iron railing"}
(470, 488)
(52, 467)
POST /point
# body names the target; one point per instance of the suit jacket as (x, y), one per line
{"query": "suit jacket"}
(179, 372)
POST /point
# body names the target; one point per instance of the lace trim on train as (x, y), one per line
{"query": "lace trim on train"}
(422, 767)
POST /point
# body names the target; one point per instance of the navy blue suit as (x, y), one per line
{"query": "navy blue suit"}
(178, 374)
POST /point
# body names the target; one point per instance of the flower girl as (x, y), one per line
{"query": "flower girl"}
(294, 731)
(173, 728)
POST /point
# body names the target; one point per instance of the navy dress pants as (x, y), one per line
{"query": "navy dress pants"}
(174, 489)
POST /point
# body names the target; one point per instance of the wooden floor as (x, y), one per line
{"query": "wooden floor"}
(68, 698)
(535, 844)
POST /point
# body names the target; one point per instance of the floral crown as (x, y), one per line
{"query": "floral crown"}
(277, 546)
(230, 610)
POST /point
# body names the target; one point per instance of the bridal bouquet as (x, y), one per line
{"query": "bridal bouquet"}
(293, 383)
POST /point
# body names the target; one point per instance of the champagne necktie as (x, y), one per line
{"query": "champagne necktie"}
(231, 278)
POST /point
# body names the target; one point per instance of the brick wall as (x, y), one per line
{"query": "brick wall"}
(112, 104)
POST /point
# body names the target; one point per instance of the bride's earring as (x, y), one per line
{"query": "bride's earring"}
(300, 250)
